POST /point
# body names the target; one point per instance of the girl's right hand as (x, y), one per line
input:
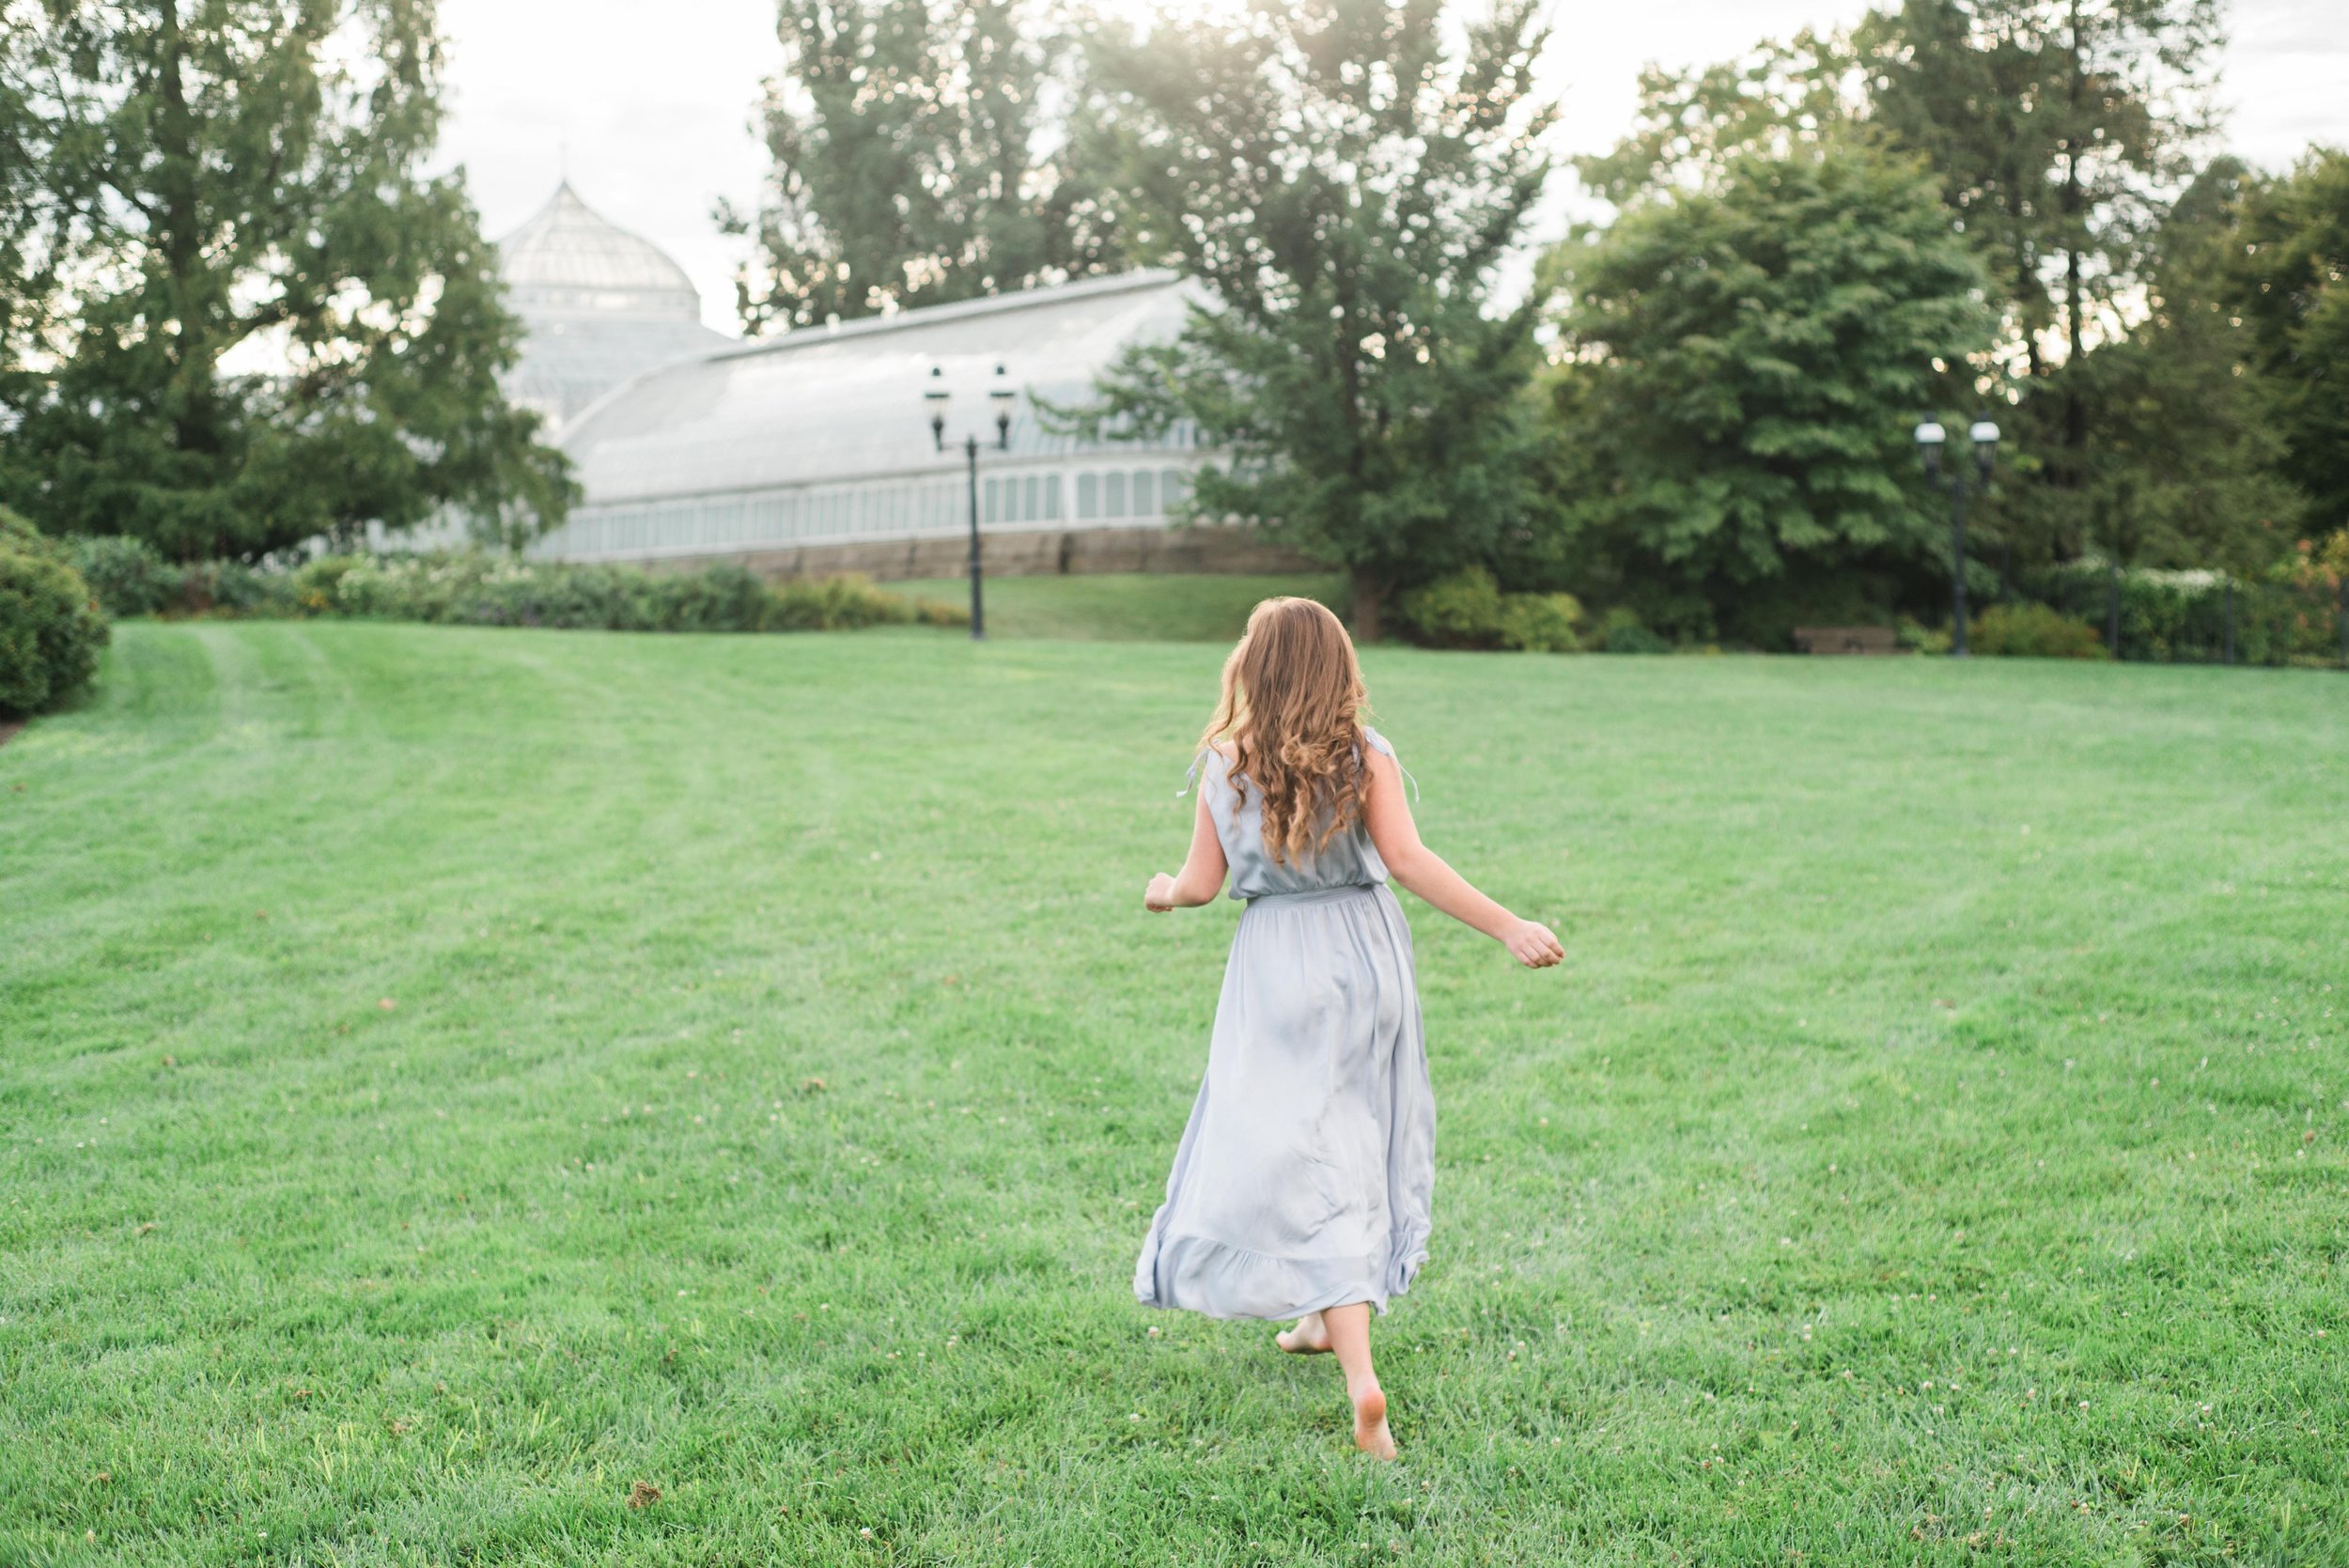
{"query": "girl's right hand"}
(1159, 897)
(1532, 944)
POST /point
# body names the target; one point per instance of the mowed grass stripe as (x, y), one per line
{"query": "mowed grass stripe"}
(780, 1071)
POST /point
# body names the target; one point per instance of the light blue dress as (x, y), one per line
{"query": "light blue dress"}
(1304, 1176)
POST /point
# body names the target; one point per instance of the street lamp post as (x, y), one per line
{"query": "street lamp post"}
(1000, 395)
(1931, 438)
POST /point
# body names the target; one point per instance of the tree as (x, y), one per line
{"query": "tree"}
(2288, 283)
(1342, 183)
(1776, 98)
(2186, 468)
(251, 316)
(912, 165)
(1742, 366)
(2059, 128)
(25, 288)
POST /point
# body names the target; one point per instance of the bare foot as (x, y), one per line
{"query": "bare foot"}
(1311, 1337)
(1370, 1424)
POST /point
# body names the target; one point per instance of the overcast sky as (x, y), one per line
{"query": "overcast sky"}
(650, 107)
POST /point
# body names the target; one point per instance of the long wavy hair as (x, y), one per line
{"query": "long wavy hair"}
(1291, 714)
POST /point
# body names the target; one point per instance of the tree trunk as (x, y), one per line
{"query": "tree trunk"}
(1369, 592)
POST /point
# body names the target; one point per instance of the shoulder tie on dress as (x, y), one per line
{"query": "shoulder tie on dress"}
(1192, 777)
(1380, 743)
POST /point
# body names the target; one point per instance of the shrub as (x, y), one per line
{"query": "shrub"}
(17, 532)
(49, 627)
(1917, 637)
(1624, 633)
(1541, 622)
(127, 576)
(845, 603)
(1460, 610)
(233, 590)
(1468, 610)
(2032, 631)
(317, 583)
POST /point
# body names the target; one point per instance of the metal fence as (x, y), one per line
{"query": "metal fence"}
(2204, 617)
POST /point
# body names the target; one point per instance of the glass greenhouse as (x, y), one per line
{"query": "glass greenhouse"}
(822, 436)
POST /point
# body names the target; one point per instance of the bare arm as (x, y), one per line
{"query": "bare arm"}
(1202, 876)
(1423, 872)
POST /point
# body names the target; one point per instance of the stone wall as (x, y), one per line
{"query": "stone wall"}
(1042, 552)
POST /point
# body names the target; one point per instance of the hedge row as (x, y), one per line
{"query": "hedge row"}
(475, 589)
(2181, 616)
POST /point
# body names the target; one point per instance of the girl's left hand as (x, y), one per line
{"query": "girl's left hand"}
(1159, 897)
(1532, 944)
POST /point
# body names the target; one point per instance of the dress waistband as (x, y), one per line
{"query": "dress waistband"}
(1317, 895)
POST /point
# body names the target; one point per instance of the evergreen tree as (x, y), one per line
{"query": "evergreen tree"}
(2188, 466)
(261, 318)
(1342, 183)
(913, 163)
(2287, 282)
(1741, 367)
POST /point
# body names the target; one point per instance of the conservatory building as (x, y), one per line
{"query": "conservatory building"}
(815, 452)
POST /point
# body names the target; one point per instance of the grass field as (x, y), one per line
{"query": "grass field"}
(1124, 606)
(450, 1077)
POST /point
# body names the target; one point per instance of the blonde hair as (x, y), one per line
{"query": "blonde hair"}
(1291, 712)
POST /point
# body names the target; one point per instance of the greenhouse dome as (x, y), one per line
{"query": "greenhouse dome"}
(822, 436)
(599, 305)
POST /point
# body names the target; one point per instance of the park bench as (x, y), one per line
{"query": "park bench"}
(1869, 640)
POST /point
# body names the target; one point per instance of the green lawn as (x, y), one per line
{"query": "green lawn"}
(1125, 606)
(448, 1078)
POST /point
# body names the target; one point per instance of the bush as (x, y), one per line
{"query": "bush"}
(127, 575)
(49, 627)
(232, 590)
(1460, 610)
(2032, 631)
(1917, 637)
(17, 532)
(1467, 610)
(1624, 633)
(1542, 623)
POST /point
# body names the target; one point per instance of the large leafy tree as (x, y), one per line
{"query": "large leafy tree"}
(1742, 363)
(2060, 129)
(1342, 177)
(918, 159)
(1774, 98)
(255, 316)
(2287, 281)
